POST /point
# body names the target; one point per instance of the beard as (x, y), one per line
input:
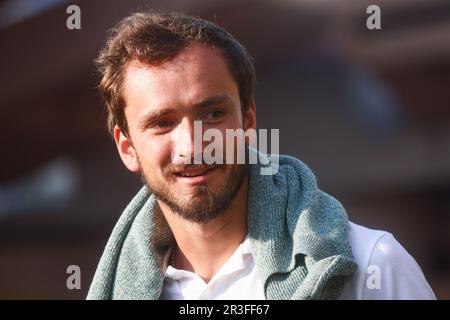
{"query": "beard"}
(203, 203)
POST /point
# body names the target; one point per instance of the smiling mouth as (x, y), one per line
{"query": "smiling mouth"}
(194, 172)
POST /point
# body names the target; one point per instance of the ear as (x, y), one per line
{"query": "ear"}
(126, 150)
(250, 116)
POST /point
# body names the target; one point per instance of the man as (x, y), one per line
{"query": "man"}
(202, 230)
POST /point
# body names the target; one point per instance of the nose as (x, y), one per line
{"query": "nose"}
(186, 142)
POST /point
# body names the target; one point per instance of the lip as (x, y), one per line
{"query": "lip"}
(207, 176)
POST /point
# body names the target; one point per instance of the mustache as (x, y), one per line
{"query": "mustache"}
(177, 168)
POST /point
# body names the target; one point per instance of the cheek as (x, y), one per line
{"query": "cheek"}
(236, 121)
(154, 153)
(232, 122)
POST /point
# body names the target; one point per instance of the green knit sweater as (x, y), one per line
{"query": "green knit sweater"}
(298, 236)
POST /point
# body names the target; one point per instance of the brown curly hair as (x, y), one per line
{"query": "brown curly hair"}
(154, 38)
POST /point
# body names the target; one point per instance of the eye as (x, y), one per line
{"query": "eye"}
(160, 126)
(164, 123)
(214, 115)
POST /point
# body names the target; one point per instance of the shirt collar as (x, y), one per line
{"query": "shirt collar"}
(235, 263)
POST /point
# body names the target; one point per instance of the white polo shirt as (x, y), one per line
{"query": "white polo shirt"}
(385, 271)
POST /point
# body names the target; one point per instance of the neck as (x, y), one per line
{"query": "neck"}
(204, 248)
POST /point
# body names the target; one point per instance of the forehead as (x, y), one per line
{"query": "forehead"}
(194, 74)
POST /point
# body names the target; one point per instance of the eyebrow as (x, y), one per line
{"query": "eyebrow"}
(210, 101)
(213, 101)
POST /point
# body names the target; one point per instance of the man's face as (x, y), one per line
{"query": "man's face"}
(162, 103)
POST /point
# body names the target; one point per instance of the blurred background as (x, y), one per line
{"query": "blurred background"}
(367, 110)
